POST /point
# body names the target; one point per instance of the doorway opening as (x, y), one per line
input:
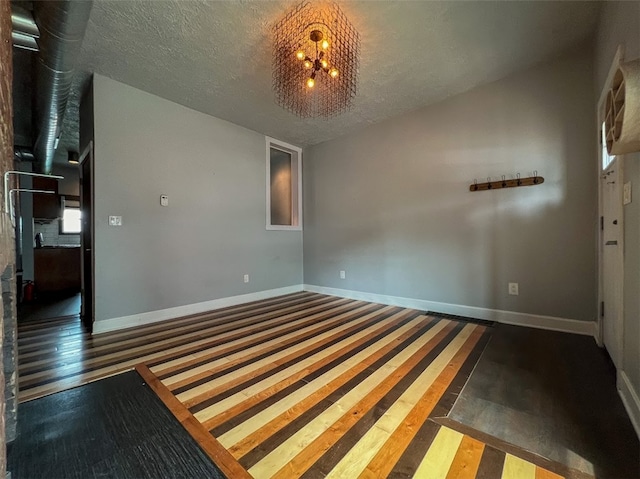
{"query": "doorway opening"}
(49, 248)
(50, 233)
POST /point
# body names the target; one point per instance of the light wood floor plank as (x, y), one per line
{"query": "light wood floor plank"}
(288, 450)
(405, 430)
(307, 397)
(204, 391)
(131, 356)
(219, 413)
(516, 468)
(357, 459)
(244, 375)
(156, 340)
(340, 323)
(438, 460)
(467, 460)
(79, 372)
(172, 367)
(542, 473)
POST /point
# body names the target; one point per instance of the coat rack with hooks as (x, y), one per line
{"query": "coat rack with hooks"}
(505, 183)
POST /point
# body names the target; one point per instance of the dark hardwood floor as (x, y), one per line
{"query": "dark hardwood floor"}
(553, 394)
(49, 307)
(114, 428)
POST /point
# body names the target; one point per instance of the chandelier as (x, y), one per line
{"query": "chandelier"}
(315, 60)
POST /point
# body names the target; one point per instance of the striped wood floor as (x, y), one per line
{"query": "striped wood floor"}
(57, 354)
(302, 385)
(348, 392)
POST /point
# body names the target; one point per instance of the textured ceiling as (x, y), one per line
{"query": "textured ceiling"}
(215, 57)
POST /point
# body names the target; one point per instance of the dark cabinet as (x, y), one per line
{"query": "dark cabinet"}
(57, 269)
(46, 205)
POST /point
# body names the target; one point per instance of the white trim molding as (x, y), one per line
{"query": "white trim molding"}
(124, 322)
(630, 400)
(551, 323)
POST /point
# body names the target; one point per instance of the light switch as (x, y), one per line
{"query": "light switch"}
(115, 220)
(627, 193)
(164, 200)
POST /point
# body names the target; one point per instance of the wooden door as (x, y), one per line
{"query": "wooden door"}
(611, 238)
(86, 237)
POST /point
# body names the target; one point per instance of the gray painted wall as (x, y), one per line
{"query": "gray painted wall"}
(213, 231)
(620, 24)
(391, 206)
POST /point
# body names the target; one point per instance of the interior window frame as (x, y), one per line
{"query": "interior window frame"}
(296, 184)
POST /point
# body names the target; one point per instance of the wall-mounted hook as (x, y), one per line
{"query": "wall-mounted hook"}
(504, 183)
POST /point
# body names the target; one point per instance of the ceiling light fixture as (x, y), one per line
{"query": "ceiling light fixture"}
(73, 157)
(315, 60)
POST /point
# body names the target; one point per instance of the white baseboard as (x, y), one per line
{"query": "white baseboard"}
(508, 317)
(630, 400)
(114, 324)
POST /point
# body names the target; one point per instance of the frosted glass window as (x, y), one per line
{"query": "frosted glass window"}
(281, 188)
(284, 186)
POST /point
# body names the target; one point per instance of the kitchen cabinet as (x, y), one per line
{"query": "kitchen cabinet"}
(46, 206)
(57, 269)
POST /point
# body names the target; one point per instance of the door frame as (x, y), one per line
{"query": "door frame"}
(600, 116)
(87, 155)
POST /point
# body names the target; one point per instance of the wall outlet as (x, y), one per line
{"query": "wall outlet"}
(627, 193)
(115, 220)
(164, 200)
(513, 289)
(343, 275)
(246, 278)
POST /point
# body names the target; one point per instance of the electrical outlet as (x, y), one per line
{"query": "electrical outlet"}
(513, 289)
(343, 275)
(115, 220)
(627, 193)
(164, 200)
(246, 278)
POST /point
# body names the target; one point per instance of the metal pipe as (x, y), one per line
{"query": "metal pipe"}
(23, 173)
(21, 190)
(62, 24)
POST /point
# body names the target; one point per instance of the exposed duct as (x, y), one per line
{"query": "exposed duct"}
(62, 24)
